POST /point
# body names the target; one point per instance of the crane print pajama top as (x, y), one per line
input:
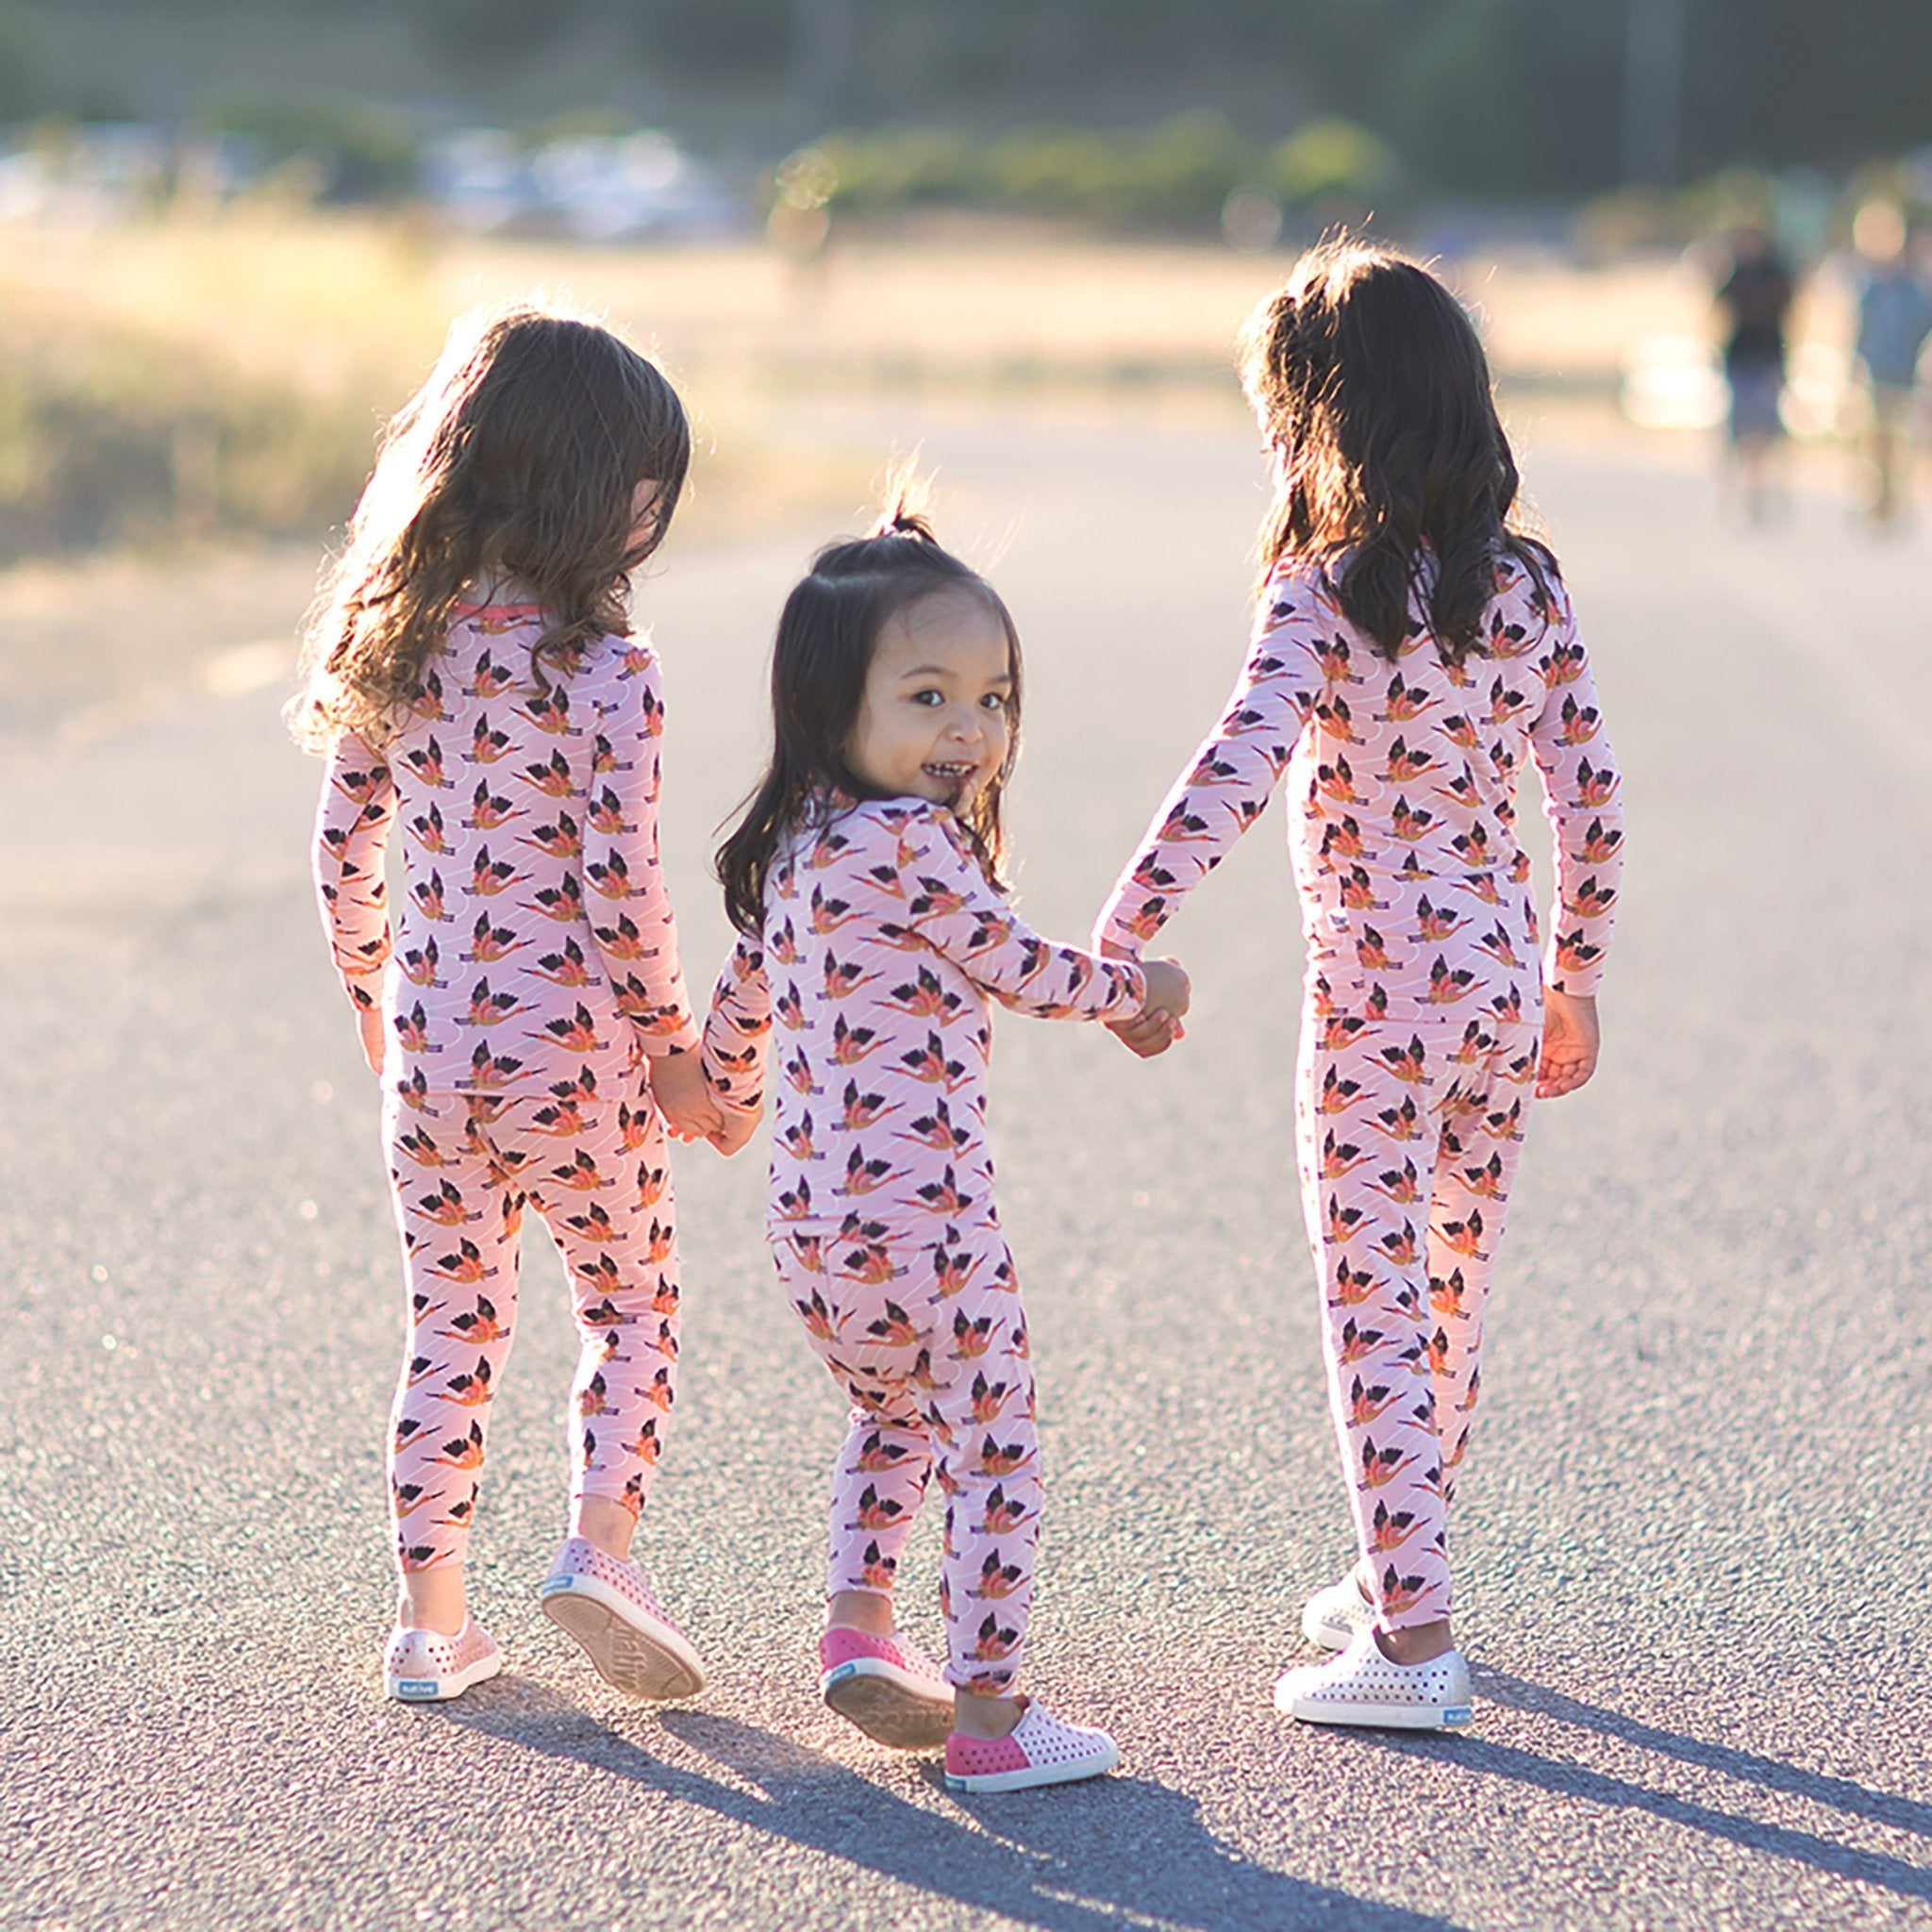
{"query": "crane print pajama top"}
(1422, 1024)
(882, 940)
(530, 978)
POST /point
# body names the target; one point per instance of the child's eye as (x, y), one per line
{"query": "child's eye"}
(993, 701)
(928, 698)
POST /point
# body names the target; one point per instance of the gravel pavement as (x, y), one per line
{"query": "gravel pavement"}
(1693, 1534)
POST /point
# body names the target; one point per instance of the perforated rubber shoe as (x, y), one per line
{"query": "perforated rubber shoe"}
(894, 1694)
(426, 1667)
(1335, 1617)
(1363, 1687)
(1038, 1750)
(608, 1608)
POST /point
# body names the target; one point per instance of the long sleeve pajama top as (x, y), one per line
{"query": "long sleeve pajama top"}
(1402, 781)
(883, 942)
(534, 942)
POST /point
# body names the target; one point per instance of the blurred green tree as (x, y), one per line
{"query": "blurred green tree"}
(487, 29)
(18, 65)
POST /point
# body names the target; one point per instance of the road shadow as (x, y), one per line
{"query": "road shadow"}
(1078, 1858)
(1747, 1767)
(1480, 1754)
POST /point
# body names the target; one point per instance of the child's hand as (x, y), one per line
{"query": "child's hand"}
(741, 1123)
(1157, 1025)
(375, 1036)
(1569, 1044)
(684, 1097)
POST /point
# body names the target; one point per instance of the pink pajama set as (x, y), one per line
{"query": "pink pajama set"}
(883, 940)
(530, 978)
(1423, 1018)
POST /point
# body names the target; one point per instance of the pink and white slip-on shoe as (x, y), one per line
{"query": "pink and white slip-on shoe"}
(894, 1694)
(1335, 1617)
(1038, 1750)
(608, 1606)
(1363, 1687)
(426, 1667)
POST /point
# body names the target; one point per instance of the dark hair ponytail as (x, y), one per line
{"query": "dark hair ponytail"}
(1372, 385)
(820, 658)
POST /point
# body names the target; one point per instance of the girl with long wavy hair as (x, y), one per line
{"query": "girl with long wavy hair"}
(483, 702)
(1412, 649)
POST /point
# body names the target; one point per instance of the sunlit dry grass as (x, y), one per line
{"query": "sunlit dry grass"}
(228, 370)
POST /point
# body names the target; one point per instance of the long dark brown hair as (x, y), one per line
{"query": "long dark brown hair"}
(820, 658)
(1371, 385)
(518, 459)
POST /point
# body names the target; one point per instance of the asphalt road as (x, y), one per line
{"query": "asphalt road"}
(1693, 1536)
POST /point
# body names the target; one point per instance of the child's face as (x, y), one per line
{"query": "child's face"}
(933, 721)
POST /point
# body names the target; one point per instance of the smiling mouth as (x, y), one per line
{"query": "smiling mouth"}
(950, 775)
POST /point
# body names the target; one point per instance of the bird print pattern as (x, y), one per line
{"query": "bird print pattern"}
(464, 1169)
(883, 942)
(1423, 992)
(1407, 1138)
(534, 938)
(528, 980)
(928, 1335)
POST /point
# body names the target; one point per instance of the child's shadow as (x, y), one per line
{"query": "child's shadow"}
(1078, 1858)
(1571, 1779)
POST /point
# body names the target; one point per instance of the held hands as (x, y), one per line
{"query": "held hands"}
(684, 1097)
(741, 1123)
(1157, 1025)
(1568, 1058)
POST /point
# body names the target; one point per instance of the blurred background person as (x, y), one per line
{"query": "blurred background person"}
(1755, 300)
(1894, 319)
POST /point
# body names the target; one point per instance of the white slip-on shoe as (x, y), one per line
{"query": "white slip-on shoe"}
(1333, 1618)
(1038, 1750)
(426, 1667)
(608, 1608)
(1363, 1687)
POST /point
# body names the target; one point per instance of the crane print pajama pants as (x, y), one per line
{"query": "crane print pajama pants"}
(1408, 1136)
(462, 1169)
(929, 1337)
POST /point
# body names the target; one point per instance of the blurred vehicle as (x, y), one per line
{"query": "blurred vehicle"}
(589, 187)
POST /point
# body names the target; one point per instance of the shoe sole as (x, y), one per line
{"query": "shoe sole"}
(887, 1706)
(657, 1666)
(1037, 1774)
(1385, 1717)
(440, 1690)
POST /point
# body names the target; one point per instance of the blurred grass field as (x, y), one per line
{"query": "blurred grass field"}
(192, 403)
(188, 377)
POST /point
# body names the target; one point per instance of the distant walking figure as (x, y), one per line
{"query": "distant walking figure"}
(478, 690)
(863, 879)
(1412, 650)
(1755, 298)
(1894, 319)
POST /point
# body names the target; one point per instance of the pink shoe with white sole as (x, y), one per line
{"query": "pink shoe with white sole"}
(894, 1694)
(608, 1606)
(426, 1667)
(1038, 1750)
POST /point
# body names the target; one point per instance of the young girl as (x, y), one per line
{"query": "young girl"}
(475, 679)
(864, 878)
(1411, 647)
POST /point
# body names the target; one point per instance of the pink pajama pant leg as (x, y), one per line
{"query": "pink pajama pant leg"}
(1408, 1138)
(462, 1169)
(927, 1334)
